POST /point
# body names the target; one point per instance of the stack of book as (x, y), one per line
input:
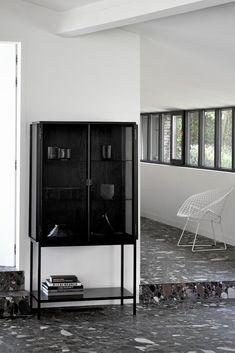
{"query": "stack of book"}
(64, 285)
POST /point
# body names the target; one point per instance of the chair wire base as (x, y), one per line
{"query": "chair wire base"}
(212, 247)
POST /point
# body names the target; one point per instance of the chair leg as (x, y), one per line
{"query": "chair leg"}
(213, 232)
(195, 237)
(194, 245)
(211, 248)
(182, 234)
(222, 233)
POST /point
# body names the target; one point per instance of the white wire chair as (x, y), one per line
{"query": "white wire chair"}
(207, 206)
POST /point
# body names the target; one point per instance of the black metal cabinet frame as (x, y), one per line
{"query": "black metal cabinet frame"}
(89, 294)
(38, 239)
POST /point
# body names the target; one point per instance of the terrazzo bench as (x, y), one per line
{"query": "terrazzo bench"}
(14, 300)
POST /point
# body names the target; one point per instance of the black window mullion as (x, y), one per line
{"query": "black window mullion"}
(149, 137)
(217, 139)
(186, 139)
(171, 138)
(159, 137)
(183, 137)
(233, 139)
(160, 140)
(201, 139)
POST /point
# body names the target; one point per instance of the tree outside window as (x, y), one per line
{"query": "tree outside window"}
(209, 139)
(226, 129)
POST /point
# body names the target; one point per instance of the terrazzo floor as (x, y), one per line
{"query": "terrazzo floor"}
(163, 262)
(195, 329)
(184, 327)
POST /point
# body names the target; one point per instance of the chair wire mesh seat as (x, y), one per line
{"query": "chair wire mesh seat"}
(207, 206)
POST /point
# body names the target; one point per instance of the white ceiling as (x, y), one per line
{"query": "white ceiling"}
(61, 5)
(187, 61)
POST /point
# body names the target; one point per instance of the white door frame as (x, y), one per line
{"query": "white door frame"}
(17, 51)
(17, 154)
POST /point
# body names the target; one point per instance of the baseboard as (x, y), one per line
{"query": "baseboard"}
(179, 224)
(157, 218)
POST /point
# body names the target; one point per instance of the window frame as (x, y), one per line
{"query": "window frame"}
(151, 117)
(202, 137)
(148, 136)
(184, 162)
(187, 131)
(162, 137)
(219, 139)
(176, 161)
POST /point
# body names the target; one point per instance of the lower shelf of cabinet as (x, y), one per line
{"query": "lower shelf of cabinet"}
(108, 293)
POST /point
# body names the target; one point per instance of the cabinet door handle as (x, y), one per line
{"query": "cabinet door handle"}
(89, 182)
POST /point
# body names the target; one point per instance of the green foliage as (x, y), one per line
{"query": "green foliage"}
(209, 155)
(179, 138)
(209, 138)
(193, 155)
(226, 156)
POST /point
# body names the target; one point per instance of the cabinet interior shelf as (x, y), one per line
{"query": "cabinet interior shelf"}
(62, 188)
(87, 294)
(113, 200)
(111, 160)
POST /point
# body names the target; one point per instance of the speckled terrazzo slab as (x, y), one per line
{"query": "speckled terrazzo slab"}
(178, 329)
(11, 280)
(172, 292)
(170, 274)
(163, 262)
(14, 304)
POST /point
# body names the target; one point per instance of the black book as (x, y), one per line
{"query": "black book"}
(63, 278)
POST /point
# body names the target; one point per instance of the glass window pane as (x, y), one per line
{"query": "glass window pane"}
(177, 136)
(226, 138)
(144, 137)
(193, 138)
(154, 151)
(166, 138)
(209, 139)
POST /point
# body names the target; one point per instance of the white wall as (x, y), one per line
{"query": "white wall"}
(95, 77)
(164, 188)
(186, 62)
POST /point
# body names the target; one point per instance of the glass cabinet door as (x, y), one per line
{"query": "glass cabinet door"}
(64, 195)
(111, 189)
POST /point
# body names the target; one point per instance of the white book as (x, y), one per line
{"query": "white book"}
(62, 284)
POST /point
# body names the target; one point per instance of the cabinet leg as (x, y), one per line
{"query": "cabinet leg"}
(134, 278)
(31, 276)
(39, 281)
(39, 310)
(122, 272)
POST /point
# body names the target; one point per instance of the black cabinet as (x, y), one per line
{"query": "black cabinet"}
(83, 186)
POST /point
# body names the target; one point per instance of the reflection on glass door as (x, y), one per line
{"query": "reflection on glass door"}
(111, 178)
(64, 183)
